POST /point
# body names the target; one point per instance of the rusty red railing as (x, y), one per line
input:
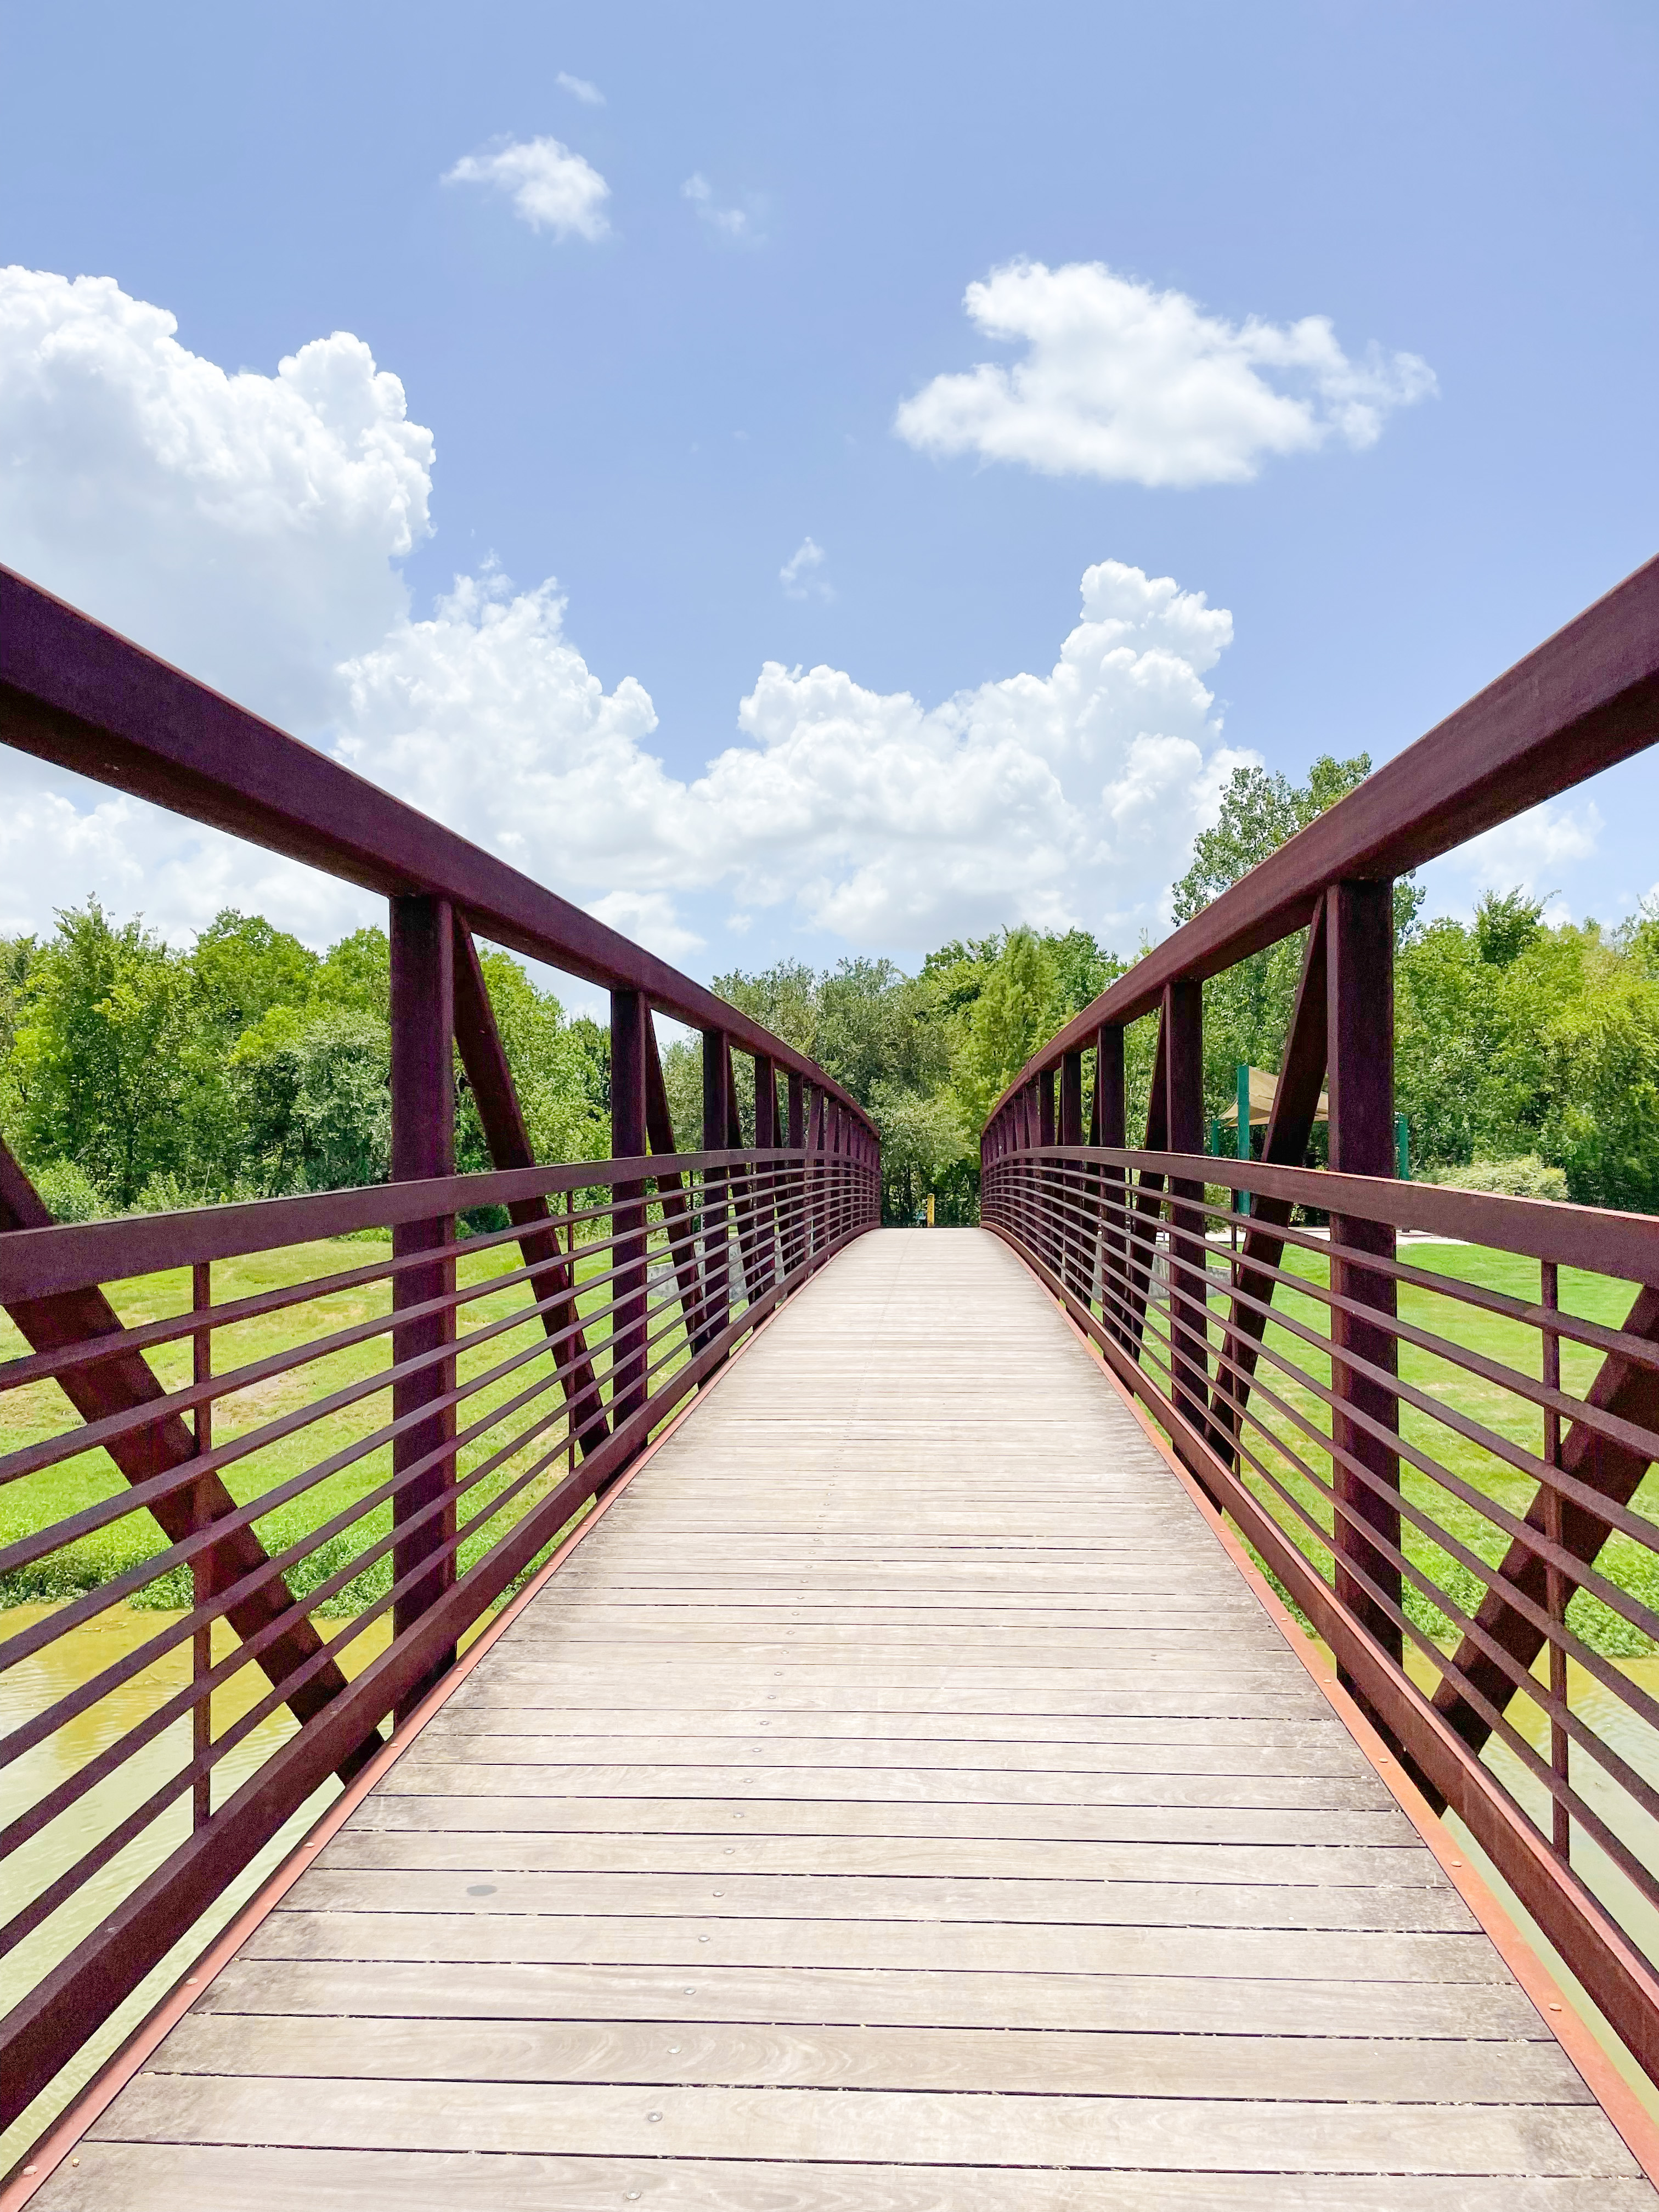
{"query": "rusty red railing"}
(1444, 1448)
(296, 1499)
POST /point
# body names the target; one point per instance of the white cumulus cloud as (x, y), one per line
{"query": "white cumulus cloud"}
(579, 87)
(1072, 797)
(550, 187)
(244, 526)
(1529, 851)
(1132, 385)
(249, 527)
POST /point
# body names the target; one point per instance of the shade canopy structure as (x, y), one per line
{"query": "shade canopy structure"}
(1264, 1089)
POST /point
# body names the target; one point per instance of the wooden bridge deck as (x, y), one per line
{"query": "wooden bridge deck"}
(899, 1802)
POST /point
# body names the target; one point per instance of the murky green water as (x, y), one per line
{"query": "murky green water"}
(36, 1683)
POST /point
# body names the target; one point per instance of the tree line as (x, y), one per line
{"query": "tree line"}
(134, 1074)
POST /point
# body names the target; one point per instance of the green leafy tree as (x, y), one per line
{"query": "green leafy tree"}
(100, 1044)
(1248, 1008)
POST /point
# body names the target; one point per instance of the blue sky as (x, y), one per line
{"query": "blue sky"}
(660, 404)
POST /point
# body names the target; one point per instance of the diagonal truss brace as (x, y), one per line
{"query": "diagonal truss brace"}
(118, 1384)
(483, 1057)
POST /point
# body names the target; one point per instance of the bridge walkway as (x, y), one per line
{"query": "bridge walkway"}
(899, 1801)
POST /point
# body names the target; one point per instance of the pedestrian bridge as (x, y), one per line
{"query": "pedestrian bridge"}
(853, 1819)
(845, 1751)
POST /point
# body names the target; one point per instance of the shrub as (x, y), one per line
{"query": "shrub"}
(70, 1193)
(1526, 1177)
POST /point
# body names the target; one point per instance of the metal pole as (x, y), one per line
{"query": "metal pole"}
(629, 1140)
(1183, 1044)
(1359, 1040)
(201, 1567)
(422, 950)
(716, 1222)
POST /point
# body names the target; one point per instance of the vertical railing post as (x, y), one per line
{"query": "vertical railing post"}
(201, 1566)
(832, 1148)
(766, 1173)
(423, 1008)
(716, 1219)
(1069, 1190)
(629, 1140)
(1183, 1044)
(1359, 1042)
(1110, 1118)
(794, 1250)
(570, 1249)
(1556, 1593)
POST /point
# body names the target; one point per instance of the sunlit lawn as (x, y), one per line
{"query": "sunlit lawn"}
(1594, 1297)
(41, 1410)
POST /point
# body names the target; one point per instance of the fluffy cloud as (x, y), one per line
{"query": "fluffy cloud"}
(580, 89)
(273, 511)
(244, 526)
(550, 187)
(1073, 797)
(1531, 849)
(1136, 385)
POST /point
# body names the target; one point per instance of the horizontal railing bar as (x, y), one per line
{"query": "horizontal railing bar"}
(1597, 1239)
(1598, 1335)
(74, 1256)
(1620, 1979)
(51, 2020)
(76, 693)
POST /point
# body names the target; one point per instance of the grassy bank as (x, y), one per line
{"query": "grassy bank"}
(1592, 1298)
(41, 1411)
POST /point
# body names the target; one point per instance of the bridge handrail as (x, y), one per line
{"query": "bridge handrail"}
(1294, 1390)
(1585, 700)
(628, 1295)
(1525, 1430)
(78, 694)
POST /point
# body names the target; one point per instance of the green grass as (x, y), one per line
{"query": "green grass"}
(1629, 1566)
(41, 1410)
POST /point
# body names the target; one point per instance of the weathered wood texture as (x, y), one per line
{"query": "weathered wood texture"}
(897, 1802)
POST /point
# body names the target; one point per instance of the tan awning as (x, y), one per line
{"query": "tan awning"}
(1264, 1089)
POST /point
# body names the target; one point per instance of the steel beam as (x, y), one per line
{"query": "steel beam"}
(422, 1145)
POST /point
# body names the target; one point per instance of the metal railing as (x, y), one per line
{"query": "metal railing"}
(1442, 1461)
(299, 1496)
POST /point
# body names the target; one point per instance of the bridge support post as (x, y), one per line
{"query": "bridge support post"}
(1072, 1210)
(716, 1220)
(766, 1175)
(1109, 1129)
(794, 1242)
(423, 1010)
(1183, 1046)
(629, 1140)
(1359, 1034)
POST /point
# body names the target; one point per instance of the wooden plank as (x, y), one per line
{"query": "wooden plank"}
(1285, 1954)
(399, 1811)
(1295, 1865)
(779, 1994)
(144, 2178)
(978, 1900)
(511, 1709)
(1323, 1761)
(916, 2128)
(902, 1784)
(1008, 2061)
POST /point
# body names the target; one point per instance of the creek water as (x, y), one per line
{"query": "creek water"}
(38, 1682)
